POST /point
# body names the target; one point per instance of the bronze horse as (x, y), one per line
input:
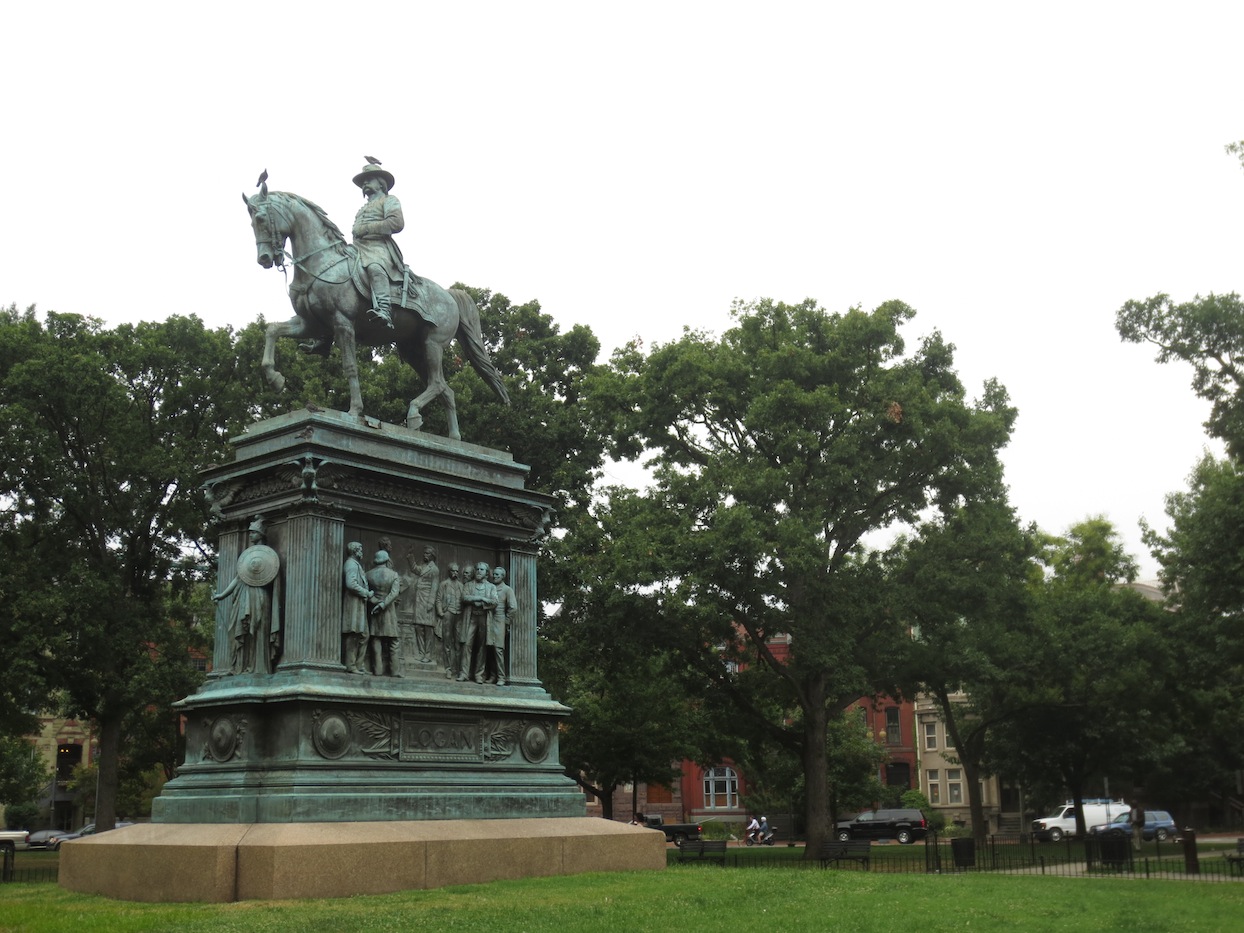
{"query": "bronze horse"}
(327, 293)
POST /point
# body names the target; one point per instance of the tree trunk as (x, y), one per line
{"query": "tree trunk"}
(109, 768)
(980, 826)
(816, 769)
(968, 750)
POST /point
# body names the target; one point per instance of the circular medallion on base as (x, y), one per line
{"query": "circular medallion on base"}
(330, 733)
(223, 736)
(535, 742)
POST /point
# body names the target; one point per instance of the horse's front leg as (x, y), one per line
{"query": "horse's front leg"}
(294, 327)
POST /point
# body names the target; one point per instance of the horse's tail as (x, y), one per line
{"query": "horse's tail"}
(471, 336)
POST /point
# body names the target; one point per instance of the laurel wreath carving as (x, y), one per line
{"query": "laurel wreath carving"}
(378, 734)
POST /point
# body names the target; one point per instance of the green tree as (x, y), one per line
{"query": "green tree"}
(104, 433)
(964, 584)
(22, 772)
(1085, 695)
(776, 450)
(603, 654)
(1201, 557)
(1208, 334)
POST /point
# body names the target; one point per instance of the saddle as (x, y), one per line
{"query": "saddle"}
(408, 292)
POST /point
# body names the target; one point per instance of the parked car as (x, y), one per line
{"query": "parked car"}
(87, 830)
(1062, 822)
(1158, 825)
(677, 833)
(42, 838)
(904, 825)
(13, 839)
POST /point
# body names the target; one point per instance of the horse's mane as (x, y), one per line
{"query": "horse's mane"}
(319, 211)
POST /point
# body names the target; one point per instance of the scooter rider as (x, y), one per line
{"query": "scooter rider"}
(765, 832)
(752, 827)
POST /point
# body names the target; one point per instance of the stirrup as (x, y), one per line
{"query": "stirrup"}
(383, 315)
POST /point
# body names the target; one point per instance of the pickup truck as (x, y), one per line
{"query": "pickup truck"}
(11, 840)
(677, 833)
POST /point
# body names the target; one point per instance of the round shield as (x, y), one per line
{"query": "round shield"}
(257, 565)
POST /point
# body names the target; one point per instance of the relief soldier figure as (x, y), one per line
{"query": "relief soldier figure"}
(499, 624)
(479, 599)
(419, 583)
(386, 585)
(448, 610)
(354, 602)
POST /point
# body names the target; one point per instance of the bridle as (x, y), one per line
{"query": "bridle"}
(280, 254)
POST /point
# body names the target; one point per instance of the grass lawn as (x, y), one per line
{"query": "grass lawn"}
(696, 897)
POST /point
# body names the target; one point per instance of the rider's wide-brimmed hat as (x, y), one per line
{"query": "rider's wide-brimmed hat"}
(374, 171)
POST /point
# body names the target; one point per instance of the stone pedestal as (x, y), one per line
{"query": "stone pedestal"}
(272, 861)
(311, 742)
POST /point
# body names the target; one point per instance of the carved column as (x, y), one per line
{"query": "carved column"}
(229, 547)
(522, 560)
(312, 551)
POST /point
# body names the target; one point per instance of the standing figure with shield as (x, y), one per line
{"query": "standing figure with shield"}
(254, 640)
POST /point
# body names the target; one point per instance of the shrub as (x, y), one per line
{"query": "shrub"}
(21, 815)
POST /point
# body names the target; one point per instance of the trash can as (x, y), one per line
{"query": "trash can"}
(963, 850)
(1115, 852)
(1192, 863)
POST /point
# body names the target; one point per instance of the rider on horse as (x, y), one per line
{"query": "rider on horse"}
(374, 225)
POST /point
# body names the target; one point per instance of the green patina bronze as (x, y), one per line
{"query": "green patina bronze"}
(343, 293)
(330, 731)
(349, 683)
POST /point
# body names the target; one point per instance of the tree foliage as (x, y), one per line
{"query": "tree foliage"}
(1202, 560)
(1086, 697)
(22, 773)
(776, 450)
(104, 433)
(1208, 334)
(605, 654)
(963, 581)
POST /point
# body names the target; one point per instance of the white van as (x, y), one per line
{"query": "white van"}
(1063, 821)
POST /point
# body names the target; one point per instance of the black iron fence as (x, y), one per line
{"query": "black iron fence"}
(1016, 854)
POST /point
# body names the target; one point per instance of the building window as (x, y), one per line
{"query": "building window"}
(930, 735)
(893, 733)
(954, 785)
(932, 781)
(950, 741)
(898, 774)
(721, 789)
(659, 794)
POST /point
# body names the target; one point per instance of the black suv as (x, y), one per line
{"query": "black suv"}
(904, 825)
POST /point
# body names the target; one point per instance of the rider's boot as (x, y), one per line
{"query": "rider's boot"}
(381, 311)
(380, 294)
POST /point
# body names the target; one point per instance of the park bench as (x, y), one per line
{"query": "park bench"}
(1235, 860)
(703, 850)
(852, 850)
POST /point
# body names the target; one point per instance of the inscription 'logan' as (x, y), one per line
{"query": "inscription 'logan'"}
(425, 740)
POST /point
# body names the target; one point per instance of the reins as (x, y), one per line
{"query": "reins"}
(298, 262)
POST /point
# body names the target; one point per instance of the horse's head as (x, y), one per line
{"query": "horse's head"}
(270, 229)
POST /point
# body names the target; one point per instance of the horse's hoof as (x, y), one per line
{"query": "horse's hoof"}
(414, 422)
(277, 382)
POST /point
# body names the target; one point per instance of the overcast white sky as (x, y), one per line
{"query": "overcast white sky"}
(1014, 172)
